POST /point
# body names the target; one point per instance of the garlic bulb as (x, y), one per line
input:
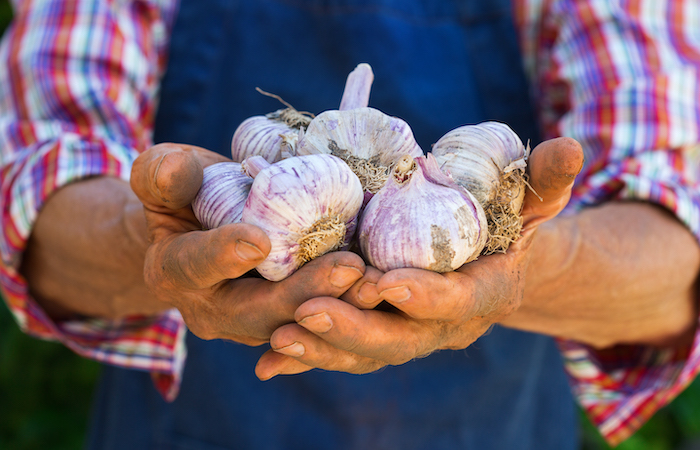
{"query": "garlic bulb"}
(489, 160)
(423, 219)
(275, 135)
(307, 206)
(272, 136)
(224, 190)
(368, 140)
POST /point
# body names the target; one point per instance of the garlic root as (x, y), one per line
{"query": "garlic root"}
(326, 235)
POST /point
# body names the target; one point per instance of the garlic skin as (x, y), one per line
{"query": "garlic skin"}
(307, 206)
(358, 86)
(273, 136)
(368, 140)
(422, 219)
(490, 161)
(224, 190)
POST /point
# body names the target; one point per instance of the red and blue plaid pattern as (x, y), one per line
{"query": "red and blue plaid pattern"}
(78, 91)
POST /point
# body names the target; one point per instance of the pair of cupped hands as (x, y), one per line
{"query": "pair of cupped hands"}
(335, 313)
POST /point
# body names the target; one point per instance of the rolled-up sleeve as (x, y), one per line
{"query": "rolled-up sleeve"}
(78, 90)
(622, 78)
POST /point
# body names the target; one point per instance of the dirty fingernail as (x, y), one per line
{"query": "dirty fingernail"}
(295, 349)
(342, 276)
(248, 252)
(317, 323)
(397, 294)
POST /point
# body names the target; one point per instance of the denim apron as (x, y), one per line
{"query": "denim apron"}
(438, 64)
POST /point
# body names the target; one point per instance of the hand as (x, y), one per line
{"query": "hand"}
(202, 273)
(426, 311)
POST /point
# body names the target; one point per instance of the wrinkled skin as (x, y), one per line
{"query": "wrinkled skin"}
(201, 273)
(305, 321)
(337, 314)
(391, 318)
(600, 276)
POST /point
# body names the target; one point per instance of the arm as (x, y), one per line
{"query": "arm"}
(94, 270)
(621, 273)
(104, 272)
(69, 111)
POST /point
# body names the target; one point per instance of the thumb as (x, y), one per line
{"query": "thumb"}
(168, 176)
(553, 166)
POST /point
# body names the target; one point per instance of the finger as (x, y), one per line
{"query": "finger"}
(552, 167)
(201, 259)
(272, 363)
(384, 336)
(168, 176)
(364, 294)
(309, 350)
(329, 275)
(262, 306)
(422, 294)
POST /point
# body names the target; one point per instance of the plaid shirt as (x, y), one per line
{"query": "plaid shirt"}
(78, 91)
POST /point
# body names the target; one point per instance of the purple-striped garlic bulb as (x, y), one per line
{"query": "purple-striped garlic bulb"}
(368, 140)
(307, 206)
(220, 200)
(490, 161)
(274, 136)
(422, 219)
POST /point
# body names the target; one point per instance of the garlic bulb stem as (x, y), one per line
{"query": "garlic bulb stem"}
(253, 165)
(289, 115)
(403, 168)
(357, 88)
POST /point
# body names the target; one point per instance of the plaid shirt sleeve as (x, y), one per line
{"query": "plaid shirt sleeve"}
(623, 78)
(78, 86)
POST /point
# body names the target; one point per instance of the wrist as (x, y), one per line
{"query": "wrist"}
(85, 254)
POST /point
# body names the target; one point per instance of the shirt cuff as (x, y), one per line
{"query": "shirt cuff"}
(620, 388)
(155, 344)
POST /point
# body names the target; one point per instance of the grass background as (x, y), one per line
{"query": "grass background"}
(45, 393)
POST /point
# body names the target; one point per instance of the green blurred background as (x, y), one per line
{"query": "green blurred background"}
(45, 393)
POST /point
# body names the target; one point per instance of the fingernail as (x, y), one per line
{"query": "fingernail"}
(269, 377)
(397, 294)
(295, 349)
(317, 323)
(248, 252)
(342, 276)
(368, 293)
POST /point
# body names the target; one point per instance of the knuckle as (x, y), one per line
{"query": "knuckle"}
(202, 330)
(205, 334)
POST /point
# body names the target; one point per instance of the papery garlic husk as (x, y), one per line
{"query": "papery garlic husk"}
(368, 140)
(422, 219)
(490, 161)
(307, 206)
(224, 190)
(273, 136)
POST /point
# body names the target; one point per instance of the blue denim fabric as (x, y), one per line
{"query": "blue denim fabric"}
(438, 64)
